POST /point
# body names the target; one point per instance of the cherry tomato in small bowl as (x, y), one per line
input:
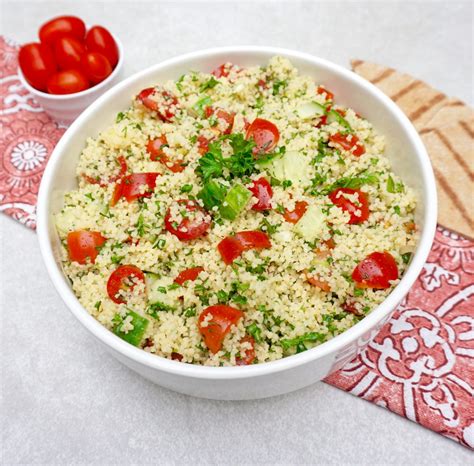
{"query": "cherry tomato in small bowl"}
(37, 64)
(68, 52)
(67, 82)
(55, 28)
(99, 39)
(95, 66)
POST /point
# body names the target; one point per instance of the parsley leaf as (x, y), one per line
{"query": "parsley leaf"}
(277, 85)
(212, 194)
(211, 164)
(287, 343)
(200, 106)
(211, 83)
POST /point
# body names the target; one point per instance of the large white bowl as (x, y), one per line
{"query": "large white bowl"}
(404, 148)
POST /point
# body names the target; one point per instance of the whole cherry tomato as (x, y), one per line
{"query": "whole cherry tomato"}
(60, 26)
(376, 271)
(215, 329)
(82, 244)
(37, 64)
(124, 278)
(98, 39)
(67, 82)
(264, 133)
(68, 52)
(194, 222)
(95, 66)
(358, 211)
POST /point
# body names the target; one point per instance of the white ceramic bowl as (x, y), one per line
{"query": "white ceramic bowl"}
(404, 148)
(65, 108)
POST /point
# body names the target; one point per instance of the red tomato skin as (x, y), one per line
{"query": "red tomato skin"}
(203, 145)
(349, 142)
(223, 317)
(129, 187)
(154, 148)
(222, 71)
(118, 276)
(193, 229)
(249, 357)
(262, 190)
(253, 240)
(68, 52)
(67, 82)
(57, 27)
(188, 274)
(230, 248)
(328, 95)
(95, 66)
(83, 244)
(123, 170)
(99, 39)
(166, 111)
(375, 271)
(264, 133)
(348, 206)
(37, 64)
(293, 216)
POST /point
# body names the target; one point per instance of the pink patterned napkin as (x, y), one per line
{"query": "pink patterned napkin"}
(421, 364)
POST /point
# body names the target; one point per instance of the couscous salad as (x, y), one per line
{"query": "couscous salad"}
(235, 218)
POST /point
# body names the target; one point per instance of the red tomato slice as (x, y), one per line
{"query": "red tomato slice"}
(203, 145)
(262, 190)
(68, 52)
(123, 278)
(248, 356)
(358, 211)
(67, 82)
(232, 247)
(264, 133)
(376, 271)
(188, 274)
(228, 119)
(123, 170)
(131, 187)
(293, 216)
(162, 102)
(348, 142)
(62, 25)
(215, 330)
(99, 39)
(328, 95)
(83, 244)
(37, 64)
(194, 223)
(95, 66)
(155, 149)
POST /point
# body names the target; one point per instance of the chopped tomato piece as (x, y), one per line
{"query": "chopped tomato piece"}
(248, 356)
(358, 210)
(83, 244)
(176, 356)
(208, 111)
(328, 95)
(203, 145)
(232, 247)
(315, 281)
(227, 117)
(376, 271)
(223, 70)
(262, 190)
(131, 187)
(293, 216)
(322, 254)
(264, 133)
(348, 142)
(160, 101)
(218, 326)
(193, 222)
(350, 307)
(123, 170)
(262, 83)
(188, 274)
(124, 278)
(155, 148)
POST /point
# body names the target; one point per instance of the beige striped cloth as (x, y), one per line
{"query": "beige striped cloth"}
(446, 126)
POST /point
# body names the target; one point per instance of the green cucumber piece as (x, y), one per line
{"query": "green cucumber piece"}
(334, 116)
(134, 336)
(312, 224)
(159, 294)
(291, 166)
(311, 110)
(235, 201)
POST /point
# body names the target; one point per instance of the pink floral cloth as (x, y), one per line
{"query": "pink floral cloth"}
(421, 364)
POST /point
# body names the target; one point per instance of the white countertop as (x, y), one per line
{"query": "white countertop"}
(67, 401)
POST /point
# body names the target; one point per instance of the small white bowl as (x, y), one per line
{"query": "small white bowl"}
(65, 108)
(404, 149)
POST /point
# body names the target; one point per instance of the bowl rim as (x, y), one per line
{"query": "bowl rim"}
(177, 368)
(85, 92)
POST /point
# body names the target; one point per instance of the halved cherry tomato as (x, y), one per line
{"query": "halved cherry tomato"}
(67, 82)
(293, 216)
(194, 223)
(131, 187)
(228, 119)
(68, 52)
(162, 102)
(232, 247)
(358, 211)
(82, 244)
(99, 39)
(203, 145)
(60, 26)
(248, 356)
(95, 66)
(376, 271)
(37, 64)
(188, 274)
(264, 133)
(348, 142)
(123, 170)
(262, 190)
(155, 148)
(123, 278)
(328, 95)
(215, 329)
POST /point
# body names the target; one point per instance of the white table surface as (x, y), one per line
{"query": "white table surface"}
(64, 400)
